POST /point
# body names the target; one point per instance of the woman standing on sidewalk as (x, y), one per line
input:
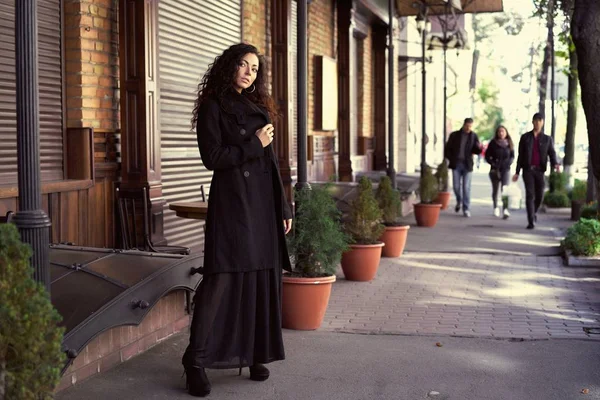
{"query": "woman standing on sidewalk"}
(500, 155)
(237, 314)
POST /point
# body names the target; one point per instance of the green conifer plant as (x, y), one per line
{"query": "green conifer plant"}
(364, 224)
(317, 241)
(30, 339)
(389, 202)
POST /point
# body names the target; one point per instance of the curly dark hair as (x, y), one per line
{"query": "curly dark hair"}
(508, 138)
(219, 78)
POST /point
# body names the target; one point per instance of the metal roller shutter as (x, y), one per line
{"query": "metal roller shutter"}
(50, 82)
(191, 34)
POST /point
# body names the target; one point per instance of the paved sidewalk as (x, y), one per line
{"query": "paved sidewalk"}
(511, 320)
(525, 297)
(484, 233)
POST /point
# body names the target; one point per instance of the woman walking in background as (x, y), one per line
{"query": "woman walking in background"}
(500, 155)
(237, 313)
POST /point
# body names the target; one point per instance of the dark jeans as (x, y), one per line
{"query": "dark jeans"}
(461, 181)
(534, 191)
(499, 180)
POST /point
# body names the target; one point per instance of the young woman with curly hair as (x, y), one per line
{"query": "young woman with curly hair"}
(237, 313)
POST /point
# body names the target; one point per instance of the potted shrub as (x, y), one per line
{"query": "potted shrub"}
(30, 339)
(364, 226)
(578, 195)
(590, 211)
(316, 247)
(395, 233)
(583, 238)
(427, 211)
(441, 175)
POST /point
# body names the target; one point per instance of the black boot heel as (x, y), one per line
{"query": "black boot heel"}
(196, 382)
(259, 372)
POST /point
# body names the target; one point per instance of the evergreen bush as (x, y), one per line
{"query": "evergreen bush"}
(558, 181)
(364, 224)
(583, 238)
(556, 199)
(442, 176)
(30, 340)
(389, 201)
(428, 187)
(579, 191)
(318, 241)
(590, 211)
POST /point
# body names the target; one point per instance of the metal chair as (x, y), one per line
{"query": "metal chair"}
(134, 236)
(8, 218)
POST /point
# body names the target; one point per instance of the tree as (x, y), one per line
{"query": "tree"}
(585, 30)
(492, 114)
(548, 10)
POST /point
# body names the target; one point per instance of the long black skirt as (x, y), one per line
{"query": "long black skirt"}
(236, 321)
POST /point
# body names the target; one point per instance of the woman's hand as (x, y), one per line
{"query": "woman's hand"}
(265, 134)
(287, 225)
(515, 177)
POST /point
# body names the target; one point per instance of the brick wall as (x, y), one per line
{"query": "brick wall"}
(365, 86)
(91, 65)
(255, 27)
(321, 42)
(120, 344)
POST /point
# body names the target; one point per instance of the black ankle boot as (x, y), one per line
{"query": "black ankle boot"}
(259, 372)
(197, 382)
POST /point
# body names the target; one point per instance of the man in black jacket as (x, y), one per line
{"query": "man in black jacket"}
(534, 150)
(459, 150)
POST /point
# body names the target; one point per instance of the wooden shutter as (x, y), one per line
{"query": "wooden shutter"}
(191, 34)
(50, 83)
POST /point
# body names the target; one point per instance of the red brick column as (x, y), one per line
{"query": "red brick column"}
(91, 64)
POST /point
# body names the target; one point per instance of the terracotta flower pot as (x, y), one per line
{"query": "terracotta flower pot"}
(394, 238)
(444, 199)
(361, 262)
(427, 215)
(304, 301)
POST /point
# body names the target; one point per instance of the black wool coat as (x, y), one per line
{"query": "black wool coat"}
(235, 227)
(499, 157)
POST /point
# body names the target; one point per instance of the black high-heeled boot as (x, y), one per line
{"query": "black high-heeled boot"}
(197, 382)
(259, 372)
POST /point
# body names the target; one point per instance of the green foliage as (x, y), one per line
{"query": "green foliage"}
(364, 224)
(583, 238)
(30, 340)
(442, 176)
(428, 187)
(556, 199)
(318, 241)
(389, 201)
(579, 191)
(590, 211)
(492, 114)
(558, 181)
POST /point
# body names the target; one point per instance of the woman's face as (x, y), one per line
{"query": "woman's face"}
(501, 133)
(246, 72)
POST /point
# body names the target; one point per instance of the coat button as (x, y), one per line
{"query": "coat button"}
(246, 174)
(242, 131)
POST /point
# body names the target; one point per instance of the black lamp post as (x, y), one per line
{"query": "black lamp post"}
(391, 171)
(423, 26)
(302, 94)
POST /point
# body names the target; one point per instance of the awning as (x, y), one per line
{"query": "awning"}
(406, 8)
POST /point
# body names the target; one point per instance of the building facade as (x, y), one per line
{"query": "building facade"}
(118, 79)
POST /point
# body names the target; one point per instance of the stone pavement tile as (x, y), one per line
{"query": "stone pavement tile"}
(431, 293)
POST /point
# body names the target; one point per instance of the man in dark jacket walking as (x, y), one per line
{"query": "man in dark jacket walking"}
(534, 150)
(459, 150)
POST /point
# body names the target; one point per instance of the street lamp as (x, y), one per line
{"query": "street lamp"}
(423, 26)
